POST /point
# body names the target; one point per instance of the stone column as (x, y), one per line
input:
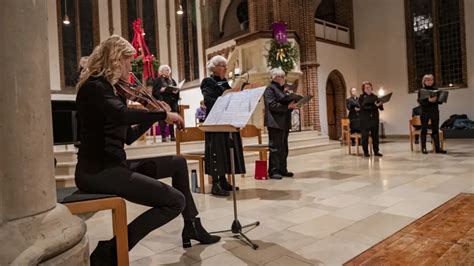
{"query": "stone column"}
(33, 228)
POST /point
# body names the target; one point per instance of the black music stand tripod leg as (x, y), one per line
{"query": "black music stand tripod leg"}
(236, 227)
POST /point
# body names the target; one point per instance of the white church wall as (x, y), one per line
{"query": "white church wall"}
(381, 58)
(190, 97)
(333, 57)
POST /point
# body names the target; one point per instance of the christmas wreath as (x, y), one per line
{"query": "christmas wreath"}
(282, 55)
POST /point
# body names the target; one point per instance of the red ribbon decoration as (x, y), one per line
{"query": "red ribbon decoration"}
(142, 50)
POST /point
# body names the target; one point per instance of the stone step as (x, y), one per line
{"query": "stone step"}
(65, 171)
(65, 154)
(299, 143)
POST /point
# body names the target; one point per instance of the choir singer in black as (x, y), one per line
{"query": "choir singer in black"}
(429, 111)
(278, 121)
(162, 90)
(217, 144)
(352, 104)
(369, 118)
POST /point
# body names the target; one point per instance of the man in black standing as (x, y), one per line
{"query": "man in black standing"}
(278, 123)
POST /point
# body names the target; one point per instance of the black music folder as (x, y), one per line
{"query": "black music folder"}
(441, 94)
(303, 101)
(386, 98)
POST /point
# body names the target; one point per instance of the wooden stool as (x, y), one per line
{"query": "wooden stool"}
(80, 202)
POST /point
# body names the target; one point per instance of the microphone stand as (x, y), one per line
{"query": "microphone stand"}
(236, 227)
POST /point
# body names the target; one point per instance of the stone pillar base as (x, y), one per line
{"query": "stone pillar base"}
(51, 237)
(77, 255)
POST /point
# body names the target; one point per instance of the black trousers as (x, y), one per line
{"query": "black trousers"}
(425, 117)
(278, 146)
(139, 184)
(373, 130)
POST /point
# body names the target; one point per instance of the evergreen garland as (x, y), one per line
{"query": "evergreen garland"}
(283, 56)
(137, 66)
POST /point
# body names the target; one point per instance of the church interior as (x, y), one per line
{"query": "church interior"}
(343, 204)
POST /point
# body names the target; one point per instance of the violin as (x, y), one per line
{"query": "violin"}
(138, 93)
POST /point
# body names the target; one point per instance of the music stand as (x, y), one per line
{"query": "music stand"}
(231, 112)
(236, 227)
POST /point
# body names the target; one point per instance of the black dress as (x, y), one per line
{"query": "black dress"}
(217, 144)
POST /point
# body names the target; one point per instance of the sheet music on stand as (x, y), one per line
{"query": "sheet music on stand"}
(234, 108)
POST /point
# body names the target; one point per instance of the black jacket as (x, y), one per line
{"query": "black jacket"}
(426, 105)
(211, 88)
(169, 97)
(369, 112)
(277, 114)
(351, 103)
(105, 125)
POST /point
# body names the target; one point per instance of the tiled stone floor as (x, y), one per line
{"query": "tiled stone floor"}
(335, 207)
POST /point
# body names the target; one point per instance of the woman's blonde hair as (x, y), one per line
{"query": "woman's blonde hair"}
(105, 60)
(425, 77)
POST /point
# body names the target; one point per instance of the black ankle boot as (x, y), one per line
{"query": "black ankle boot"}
(424, 151)
(105, 253)
(194, 230)
(439, 150)
(217, 190)
(225, 184)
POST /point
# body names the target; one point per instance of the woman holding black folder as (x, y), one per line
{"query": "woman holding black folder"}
(217, 144)
(429, 111)
(369, 118)
(162, 91)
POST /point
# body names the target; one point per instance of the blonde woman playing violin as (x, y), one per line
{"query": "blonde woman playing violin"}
(106, 124)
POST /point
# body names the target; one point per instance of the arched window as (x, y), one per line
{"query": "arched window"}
(236, 18)
(78, 38)
(436, 42)
(326, 11)
(188, 42)
(146, 10)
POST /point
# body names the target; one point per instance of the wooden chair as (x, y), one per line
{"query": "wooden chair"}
(345, 126)
(251, 131)
(79, 202)
(192, 134)
(416, 121)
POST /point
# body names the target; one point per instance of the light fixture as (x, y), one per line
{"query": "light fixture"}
(180, 10)
(381, 92)
(66, 20)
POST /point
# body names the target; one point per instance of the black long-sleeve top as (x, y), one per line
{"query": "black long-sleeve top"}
(277, 113)
(211, 88)
(426, 105)
(351, 103)
(169, 97)
(369, 112)
(105, 124)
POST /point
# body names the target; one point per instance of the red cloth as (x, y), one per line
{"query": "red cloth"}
(142, 50)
